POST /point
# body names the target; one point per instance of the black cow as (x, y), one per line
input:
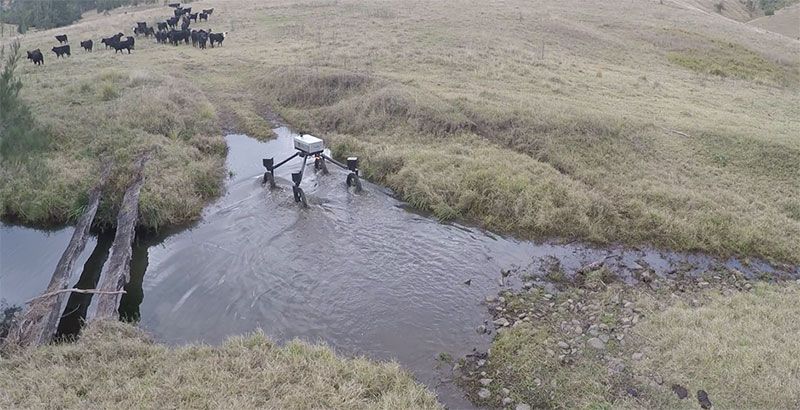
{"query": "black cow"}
(141, 24)
(203, 16)
(185, 23)
(217, 38)
(147, 31)
(162, 37)
(110, 41)
(62, 39)
(127, 44)
(36, 56)
(174, 5)
(208, 11)
(162, 26)
(176, 36)
(62, 51)
(87, 45)
(202, 39)
(193, 16)
(187, 10)
(172, 22)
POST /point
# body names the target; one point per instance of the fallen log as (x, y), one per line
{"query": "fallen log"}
(71, 290)
(39, 322)
(116, 271)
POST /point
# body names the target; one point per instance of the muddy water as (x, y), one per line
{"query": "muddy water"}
(356, 271)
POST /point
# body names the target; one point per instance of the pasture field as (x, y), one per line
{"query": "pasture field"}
(640, 122)
(632, 122)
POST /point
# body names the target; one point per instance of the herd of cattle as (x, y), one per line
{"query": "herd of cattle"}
(164, 32)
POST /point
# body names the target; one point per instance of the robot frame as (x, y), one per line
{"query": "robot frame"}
(310, 146)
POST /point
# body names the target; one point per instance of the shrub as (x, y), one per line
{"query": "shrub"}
(18, 133)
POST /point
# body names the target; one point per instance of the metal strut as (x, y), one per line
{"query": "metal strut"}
(319, 163)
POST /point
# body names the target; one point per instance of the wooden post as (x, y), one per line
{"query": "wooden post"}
(39, 322)
(116, 272)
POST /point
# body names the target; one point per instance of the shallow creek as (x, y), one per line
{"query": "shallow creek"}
(359, 272)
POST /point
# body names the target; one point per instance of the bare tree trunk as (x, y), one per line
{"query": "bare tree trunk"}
(39, 322)
(116, 272)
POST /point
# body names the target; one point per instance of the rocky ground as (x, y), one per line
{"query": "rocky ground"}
(575, 341)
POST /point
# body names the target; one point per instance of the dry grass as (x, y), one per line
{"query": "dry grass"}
(784, 21)
(116, 365)
(738, 346)
(742, 349)
(553, 120)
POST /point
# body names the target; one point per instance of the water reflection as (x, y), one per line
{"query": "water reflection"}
(78, 303)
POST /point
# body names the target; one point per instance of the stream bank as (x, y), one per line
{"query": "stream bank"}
(358, 272)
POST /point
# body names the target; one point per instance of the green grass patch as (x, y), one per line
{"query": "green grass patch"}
(725, 59)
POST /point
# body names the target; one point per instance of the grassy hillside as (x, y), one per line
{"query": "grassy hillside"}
(115, 364)
(785, 21)
(633, 122)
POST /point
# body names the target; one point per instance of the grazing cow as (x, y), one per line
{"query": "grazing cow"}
(203, 16)
(172, 22)
(87, 45)
(62, 51)
(110, 41)
(36, 56)
(62, 39)
(127, 44)
(208, 11)
(193, 16)
(194, 38)
(217, 38)
(162, 26)
(174, 5)
(141, 24)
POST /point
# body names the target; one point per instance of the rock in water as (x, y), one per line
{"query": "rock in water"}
(702, 398)
(680, 391)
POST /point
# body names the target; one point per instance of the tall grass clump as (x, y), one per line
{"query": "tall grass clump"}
(115, 364)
